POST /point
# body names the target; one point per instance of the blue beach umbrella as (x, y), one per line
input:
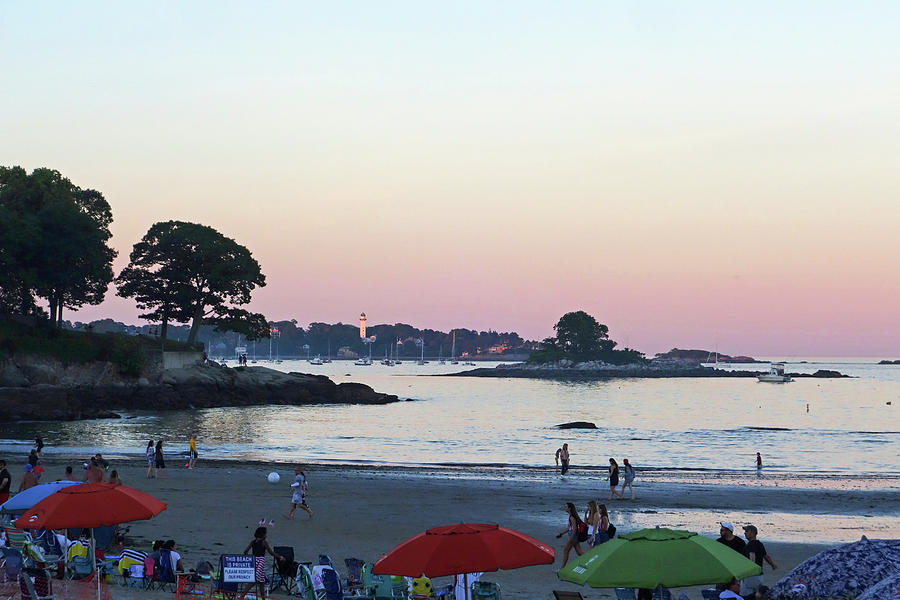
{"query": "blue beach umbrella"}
(28, 498)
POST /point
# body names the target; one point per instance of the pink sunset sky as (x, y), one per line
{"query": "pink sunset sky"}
(696, 175)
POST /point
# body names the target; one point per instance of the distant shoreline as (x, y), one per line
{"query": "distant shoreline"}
(625, 373)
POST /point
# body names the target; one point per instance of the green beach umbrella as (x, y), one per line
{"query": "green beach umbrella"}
(658, 557)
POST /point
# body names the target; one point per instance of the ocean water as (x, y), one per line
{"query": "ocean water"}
(812, 426)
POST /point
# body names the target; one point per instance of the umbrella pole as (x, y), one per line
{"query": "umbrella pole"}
(94, 558)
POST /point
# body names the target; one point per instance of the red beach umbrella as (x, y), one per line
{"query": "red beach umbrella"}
(91, 505)
(464, 548)
(88, 506)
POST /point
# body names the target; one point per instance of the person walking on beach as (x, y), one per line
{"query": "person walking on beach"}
(5, 482)
(298, 497)
(599, 522)
(38, 444)
(755, 551)
(259, 546)
(577, 530)
(159, 460)
(33, 457)
(151, 460)
(562, 456)
(613, 478)
(628, 478)
(727, 537)
(758, 461)
(193, 451)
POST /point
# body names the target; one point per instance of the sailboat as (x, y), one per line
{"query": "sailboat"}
(397, 353)
(441, 356)
(327, 359)
(453, 360)
(421, 361)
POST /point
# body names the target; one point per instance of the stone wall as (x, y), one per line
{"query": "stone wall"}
(180, 360)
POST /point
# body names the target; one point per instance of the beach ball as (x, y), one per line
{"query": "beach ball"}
(273, 477)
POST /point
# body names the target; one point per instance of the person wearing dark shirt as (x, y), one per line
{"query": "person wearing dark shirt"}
(33, 458)
(5, 482)
(727, 537)
(38, 444)
(755, 551)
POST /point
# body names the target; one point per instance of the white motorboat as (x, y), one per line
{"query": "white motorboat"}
(775, 375)
(363, 362)
(316, 361)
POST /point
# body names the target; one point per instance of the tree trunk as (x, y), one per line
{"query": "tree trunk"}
(195, 324)
(164, 328)
(59, 315)
(53, 302)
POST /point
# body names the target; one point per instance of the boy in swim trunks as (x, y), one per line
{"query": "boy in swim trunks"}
(299, 494)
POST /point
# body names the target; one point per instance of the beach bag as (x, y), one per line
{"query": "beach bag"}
(582, 530)
(611, 531)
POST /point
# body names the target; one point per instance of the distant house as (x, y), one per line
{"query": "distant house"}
(346, 352)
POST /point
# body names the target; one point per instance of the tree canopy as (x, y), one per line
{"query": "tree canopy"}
(53, 242)
(184, 272)
(579, 337)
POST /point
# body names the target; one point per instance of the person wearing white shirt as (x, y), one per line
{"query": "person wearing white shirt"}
(731, 591)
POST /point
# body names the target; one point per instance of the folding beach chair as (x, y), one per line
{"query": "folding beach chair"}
(35, 584)
(284, 572)
(485, 590)
(163, 573)
(305, 587)
(354, 574)
(625, 594)
(565, 595)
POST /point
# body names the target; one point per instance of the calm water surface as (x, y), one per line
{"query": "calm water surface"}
(706, 424)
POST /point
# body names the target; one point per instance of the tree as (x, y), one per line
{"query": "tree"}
(54, 241)
(578, 334)
(189, 272)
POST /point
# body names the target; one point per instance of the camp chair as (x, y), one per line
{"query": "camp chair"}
(163, 574)
(666, 594)
(485, 590)
(12, 563)
(37, 589)
(564, 595)
(420, 588)
(327, 582)
(224, 590)
(16, 538)
(79, 567)
(304, 579)
(283, 571)
(354, 573)
(625, 594)
(128, 559)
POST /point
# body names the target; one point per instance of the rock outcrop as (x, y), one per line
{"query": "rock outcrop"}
(577, 425)
(42, 390)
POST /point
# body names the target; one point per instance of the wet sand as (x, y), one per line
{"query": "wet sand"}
(364, 512)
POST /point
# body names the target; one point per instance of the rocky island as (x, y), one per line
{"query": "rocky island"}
(42, 388)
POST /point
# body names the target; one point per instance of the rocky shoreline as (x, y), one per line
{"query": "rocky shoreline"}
(596, 370)
(58, 393)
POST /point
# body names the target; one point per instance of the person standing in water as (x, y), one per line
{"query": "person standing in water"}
(193, 451)
(562, 456)
(758, 461)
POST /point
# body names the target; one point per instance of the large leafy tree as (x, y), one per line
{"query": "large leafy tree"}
(54, 242)
(189, 272)
(578, 334)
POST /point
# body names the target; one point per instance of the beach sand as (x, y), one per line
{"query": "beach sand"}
(365, 511)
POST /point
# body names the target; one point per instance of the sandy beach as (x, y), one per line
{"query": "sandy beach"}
(364, 512)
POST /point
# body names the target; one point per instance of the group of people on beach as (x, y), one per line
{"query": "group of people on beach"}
(626, 472)
(156, 460)
(594, 528)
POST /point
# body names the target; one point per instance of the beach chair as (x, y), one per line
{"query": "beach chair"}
(16, 538)
(710, 593)
(375, 586)
(79, 567)
(485, 590)
(565, 595)
(625, 594)
(354, 574)
(224, 590)
(305, 587)
(421, 588)
(666, 594)
(284, 571)
(327, 583)
(12, 563)
(35, 584)
(163, 573)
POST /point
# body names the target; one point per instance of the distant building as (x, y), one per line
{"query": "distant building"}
(362, 326)
(346, 352)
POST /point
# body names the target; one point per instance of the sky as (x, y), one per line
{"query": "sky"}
(693, 174)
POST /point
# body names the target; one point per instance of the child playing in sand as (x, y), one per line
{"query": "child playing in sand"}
(299, 496)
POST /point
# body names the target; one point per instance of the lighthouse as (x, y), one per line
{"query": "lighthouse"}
(362, 326)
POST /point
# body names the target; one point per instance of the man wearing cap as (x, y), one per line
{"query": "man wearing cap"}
(727, 537)
(756, 552)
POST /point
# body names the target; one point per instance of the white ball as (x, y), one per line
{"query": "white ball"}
(273, 477)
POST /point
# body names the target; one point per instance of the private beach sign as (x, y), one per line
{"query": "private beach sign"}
(238, 568)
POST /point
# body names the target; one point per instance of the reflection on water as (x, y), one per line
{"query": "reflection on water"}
(716, 424)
